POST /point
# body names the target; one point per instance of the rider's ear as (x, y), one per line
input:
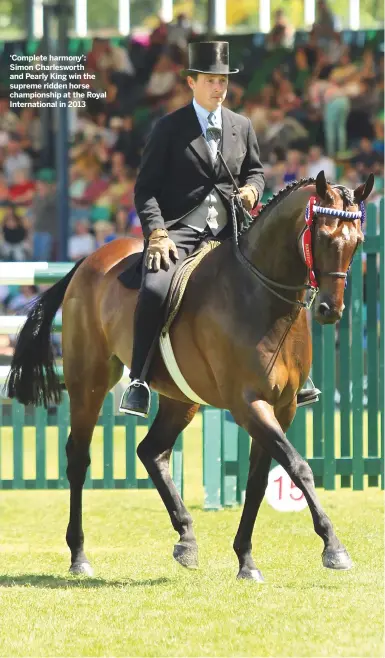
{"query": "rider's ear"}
(362, 191)
(323, 188)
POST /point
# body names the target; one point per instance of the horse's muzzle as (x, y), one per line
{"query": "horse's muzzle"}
(326, 313)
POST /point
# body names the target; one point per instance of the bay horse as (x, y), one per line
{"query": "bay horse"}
(241, 340)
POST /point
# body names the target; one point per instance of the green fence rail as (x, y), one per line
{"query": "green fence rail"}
(342, 436)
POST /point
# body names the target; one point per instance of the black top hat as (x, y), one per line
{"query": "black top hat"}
(209, 57)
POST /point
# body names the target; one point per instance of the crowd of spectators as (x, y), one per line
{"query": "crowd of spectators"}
(313, 107)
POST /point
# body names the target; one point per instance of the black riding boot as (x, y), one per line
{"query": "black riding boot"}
(136, 398)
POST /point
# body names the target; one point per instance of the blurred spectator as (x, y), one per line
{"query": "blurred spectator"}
(15, 158)
(22, 190)
(159, 35)
(122, 223)
(4, 195)
(104, 232)
(283, 131)
(96, 184)
(256, 111)
(120, 190)
(162, 80)
(294, 169)
(367, 159)
(127, 223)
(317, 162)
(378, 144)
(105, 132)
(127, 142)
(26, 296)
(8, 119)
(302, 71)
(81, 243)
(42, 216)
(336, 112)
(15, 245)
(179, 33)
(107, 58)
(325, 24)
(282, 33)
(282, 92)
(311, 49)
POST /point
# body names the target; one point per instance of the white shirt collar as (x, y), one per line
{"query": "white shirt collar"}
(203, 114)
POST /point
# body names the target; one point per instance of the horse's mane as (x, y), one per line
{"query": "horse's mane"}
(271, 203)
(279, 196)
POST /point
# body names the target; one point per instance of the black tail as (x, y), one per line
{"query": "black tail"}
(32, 378)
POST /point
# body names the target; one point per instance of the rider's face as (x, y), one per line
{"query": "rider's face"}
(209, 90)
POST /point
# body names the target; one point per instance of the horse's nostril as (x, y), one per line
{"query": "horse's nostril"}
(324, 308)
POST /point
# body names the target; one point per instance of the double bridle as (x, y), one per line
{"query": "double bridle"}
(305, 238)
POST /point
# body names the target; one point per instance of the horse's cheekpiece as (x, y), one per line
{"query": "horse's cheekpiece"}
(313, 209)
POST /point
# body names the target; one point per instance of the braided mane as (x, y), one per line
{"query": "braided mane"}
(278, 196)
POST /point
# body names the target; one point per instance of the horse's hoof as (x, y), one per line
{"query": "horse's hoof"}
(81, 569)
(186, 555)
(251, 574)
(339, 559)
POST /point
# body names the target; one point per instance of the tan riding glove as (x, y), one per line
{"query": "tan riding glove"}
(158, 250)
(249, 196)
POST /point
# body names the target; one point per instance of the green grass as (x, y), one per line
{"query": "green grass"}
(141, 603)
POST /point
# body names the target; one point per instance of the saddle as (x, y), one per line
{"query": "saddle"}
(131, 278)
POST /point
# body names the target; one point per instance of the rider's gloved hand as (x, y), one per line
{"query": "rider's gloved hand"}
(249, 196)
(158, 250)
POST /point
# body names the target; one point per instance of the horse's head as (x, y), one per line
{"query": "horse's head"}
(336, 237)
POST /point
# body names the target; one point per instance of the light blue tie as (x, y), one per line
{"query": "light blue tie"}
(213, 135)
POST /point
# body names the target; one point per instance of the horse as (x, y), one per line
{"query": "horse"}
(241, 339)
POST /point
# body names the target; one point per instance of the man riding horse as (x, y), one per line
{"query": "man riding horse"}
(182, 196)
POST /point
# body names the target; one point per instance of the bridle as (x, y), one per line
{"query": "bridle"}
(312, 212)
(305, 238)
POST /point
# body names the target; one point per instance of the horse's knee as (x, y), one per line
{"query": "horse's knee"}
(303, 472)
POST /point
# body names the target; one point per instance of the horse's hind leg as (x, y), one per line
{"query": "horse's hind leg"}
(87, 390)
(155, 451)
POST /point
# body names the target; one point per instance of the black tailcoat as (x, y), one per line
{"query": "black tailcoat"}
(177, 172)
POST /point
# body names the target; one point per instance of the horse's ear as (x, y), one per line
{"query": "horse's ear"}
(322, 187)
(362, 191)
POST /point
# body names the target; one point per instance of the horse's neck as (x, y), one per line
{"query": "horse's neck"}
(271, 243)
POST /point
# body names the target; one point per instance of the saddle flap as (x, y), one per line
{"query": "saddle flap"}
(180, 280)
(132, 275)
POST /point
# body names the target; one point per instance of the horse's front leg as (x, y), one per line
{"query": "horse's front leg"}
(260, 462)
(259, 420)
